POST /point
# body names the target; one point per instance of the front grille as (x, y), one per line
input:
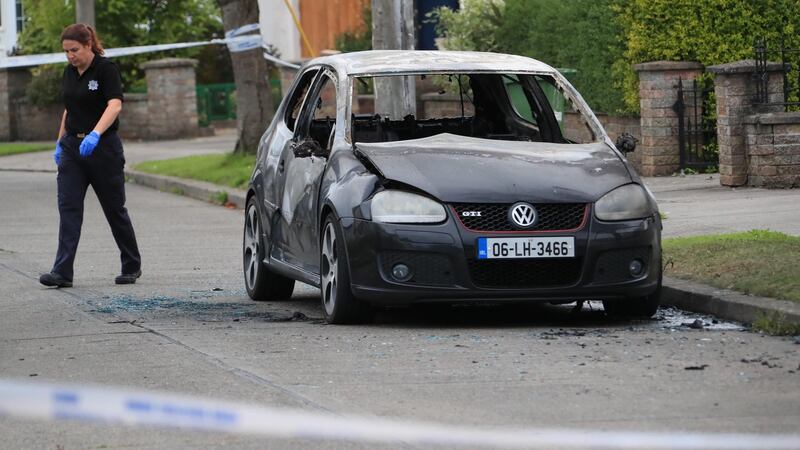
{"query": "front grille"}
(494, 216)
(612, 266)
(427, 268)
(527, 273)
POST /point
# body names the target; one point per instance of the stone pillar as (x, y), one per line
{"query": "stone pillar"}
(735, 88)
(171, 98)
(659, 149)
(12, 89)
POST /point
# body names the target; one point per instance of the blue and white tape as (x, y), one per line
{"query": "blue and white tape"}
(135, 408)
(237, 41)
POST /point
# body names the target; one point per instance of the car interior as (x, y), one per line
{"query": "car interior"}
(489, 106)
(497, 106)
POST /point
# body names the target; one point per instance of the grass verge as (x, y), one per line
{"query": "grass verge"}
(227, 169)
(776, 324)
(13, 148)
(757, 262)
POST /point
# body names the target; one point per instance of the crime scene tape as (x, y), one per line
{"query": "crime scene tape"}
(136, 408)
(237, 41)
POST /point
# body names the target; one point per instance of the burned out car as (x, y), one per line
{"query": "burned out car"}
(394, 177)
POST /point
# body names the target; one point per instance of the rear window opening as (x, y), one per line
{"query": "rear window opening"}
(515, 107)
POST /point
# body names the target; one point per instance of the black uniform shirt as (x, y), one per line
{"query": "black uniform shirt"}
(86, 96)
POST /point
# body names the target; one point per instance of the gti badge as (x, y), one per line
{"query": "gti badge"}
(523, 215)
(471, 214)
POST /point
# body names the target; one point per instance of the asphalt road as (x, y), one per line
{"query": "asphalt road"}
(188, 327)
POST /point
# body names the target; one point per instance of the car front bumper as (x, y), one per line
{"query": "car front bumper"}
(444, 264)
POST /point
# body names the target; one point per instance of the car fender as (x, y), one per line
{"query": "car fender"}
(345, 186)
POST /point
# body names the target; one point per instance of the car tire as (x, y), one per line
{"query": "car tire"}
(339, 305)
(261, 283)
(636, 307)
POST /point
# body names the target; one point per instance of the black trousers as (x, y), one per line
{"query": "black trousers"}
(103, 170)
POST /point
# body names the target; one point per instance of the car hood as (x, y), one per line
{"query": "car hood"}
(458, 169)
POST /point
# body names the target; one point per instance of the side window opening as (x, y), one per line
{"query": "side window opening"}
(321, 120)
(296, 101)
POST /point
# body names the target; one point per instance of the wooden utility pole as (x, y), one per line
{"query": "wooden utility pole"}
(393, 29)
(84, 12)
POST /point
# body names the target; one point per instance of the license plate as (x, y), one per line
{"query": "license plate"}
(526, 247)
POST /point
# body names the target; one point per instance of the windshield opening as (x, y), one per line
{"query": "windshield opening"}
(516, 107)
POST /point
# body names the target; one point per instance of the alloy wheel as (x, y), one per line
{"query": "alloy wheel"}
(251, 247)
(329, 269)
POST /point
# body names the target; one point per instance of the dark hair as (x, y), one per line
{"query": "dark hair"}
(83, 34)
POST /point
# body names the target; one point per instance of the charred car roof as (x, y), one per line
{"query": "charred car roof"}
(388, 62)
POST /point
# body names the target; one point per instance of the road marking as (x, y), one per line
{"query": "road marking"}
(141, 408)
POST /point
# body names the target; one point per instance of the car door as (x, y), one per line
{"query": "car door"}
(283, 136)
(302, 164)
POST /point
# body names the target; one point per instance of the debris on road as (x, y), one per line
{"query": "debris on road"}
(696, 325)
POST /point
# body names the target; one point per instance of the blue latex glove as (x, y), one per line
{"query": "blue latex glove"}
(57, 153)
(89, 143)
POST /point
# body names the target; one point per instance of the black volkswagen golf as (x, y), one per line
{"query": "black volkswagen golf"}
(393, 177)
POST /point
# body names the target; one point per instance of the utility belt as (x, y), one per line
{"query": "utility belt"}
(86, 133)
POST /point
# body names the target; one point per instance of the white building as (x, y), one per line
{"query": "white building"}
(11, 22)
(278, 28)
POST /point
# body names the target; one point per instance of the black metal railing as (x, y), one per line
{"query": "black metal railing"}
(789, 59)
(697, 125)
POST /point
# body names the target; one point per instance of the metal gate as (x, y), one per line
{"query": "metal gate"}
(216, 102)
(790, 61)
(697, 125)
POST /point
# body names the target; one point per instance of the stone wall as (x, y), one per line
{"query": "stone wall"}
(442, 105)
(615, 126)
(772, 142)
(168, 111)
(12, 91)
(5, 103)
(134, 118)
(39, 123)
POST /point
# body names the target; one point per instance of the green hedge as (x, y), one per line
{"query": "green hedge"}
(708, 31)
(603, 39)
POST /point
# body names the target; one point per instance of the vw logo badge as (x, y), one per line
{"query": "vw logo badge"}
(523, 215)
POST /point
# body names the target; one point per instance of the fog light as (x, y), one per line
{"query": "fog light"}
(401, 272)
(636, 267)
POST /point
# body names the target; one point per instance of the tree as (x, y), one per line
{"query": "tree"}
(250, 72)
(578, 34)
(122, 23)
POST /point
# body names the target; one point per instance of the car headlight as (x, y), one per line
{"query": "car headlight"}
(405, 207)
(624, 203)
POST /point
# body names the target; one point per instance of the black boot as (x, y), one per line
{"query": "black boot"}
(128, 278)
(54, 279)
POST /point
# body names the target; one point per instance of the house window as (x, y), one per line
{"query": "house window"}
(20, 17)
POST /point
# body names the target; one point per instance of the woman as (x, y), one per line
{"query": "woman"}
(89, 152)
